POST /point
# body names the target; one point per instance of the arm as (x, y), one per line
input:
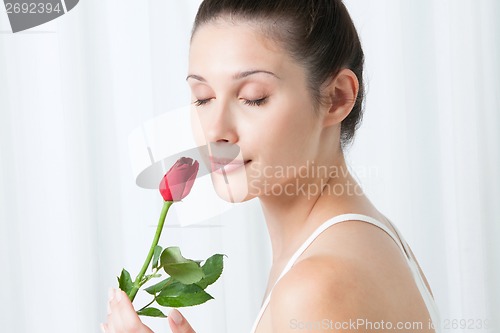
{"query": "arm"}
(314, 290)
(323, 293)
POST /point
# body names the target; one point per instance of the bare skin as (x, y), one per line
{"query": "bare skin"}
(353, 269)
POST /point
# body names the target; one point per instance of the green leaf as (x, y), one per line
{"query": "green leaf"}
(151, 312)
(125, 281)
(156, 256)
(212, 269)
(181, 269)
(156, 288)
(178, 295)
(173, 254)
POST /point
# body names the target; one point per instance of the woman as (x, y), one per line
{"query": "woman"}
(283, 80)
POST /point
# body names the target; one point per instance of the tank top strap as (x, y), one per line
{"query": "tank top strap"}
(329, 223)
(313, 236)
(422, 286)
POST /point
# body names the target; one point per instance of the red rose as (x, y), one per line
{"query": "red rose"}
(178, 181)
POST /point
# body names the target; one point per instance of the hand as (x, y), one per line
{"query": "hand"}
(122, 317)
(178, 324)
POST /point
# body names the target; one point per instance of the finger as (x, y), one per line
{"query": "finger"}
(124, 318)
(111, 295)
(109, 326)
(177, 323)
(115, 322)
(126, 311)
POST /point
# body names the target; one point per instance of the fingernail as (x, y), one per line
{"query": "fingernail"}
(111, 293)
(102, 328)
(176, 316)
(118, 295)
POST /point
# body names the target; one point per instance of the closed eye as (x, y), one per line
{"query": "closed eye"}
(201, 102)
(257, 102)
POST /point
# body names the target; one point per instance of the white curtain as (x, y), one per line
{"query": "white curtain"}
(71, 215)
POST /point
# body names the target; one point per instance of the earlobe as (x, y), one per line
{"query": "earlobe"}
(342, 92)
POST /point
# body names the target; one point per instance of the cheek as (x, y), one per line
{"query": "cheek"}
(290, 133)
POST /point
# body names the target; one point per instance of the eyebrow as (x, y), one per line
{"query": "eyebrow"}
(237, 76)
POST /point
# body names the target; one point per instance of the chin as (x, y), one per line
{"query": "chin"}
(236, 188)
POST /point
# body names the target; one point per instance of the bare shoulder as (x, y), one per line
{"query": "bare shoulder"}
(319, 288)
(361, 277)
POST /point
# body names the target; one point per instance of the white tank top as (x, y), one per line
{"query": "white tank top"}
(422, 287)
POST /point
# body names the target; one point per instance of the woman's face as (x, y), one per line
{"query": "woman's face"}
(246, 91)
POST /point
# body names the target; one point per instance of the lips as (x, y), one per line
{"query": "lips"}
(220, 164)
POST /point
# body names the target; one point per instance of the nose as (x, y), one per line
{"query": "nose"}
(219, 123)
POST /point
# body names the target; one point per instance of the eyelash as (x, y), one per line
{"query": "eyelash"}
(201, 102)
(257, 102)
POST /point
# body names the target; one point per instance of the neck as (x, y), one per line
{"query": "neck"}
(292, 218)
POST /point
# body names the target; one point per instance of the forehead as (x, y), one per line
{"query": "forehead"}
(228, 47)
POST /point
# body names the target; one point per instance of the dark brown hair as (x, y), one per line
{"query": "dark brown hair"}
(319, 34)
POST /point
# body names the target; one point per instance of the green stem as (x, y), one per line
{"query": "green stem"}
(138, 279)
(149, 277)
(145, 306)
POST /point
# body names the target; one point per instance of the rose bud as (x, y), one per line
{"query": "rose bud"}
(178, 181)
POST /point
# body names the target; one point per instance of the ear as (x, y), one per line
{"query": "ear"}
(339, 97)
